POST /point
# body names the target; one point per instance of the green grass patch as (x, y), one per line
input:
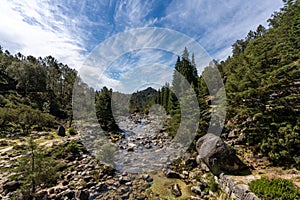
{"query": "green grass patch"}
(275, 189)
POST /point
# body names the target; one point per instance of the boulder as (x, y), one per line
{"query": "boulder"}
(218, 156)
(61, 131)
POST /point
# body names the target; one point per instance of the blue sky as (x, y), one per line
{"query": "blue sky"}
(69, 30)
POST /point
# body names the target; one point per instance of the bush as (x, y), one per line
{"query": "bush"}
(73, 147)
(72, 131)
(106, 153)
(279, 189)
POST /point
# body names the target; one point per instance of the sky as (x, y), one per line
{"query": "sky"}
(73, 30)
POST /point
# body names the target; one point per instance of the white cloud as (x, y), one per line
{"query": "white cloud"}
(68, 29)
(153, 44)
(132, 14)
(218, 24)
(30, 28)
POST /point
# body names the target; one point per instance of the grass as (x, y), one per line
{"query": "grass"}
(161, 186)
(275, 189)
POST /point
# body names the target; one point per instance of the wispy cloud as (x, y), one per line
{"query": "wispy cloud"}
(218, 24)
(138, 50)
(133, 14)
(33, 28)
(69, 30)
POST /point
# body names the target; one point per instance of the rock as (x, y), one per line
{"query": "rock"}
(191, 162)
(108, 170)
(202, 184)
(65, 182)
(70, 194)
(172, 174)
(51, 191)
(196, 190)
(130, 149)
(217, 155)
(185, 173)
(61, 131)
(149, 179)
(41, 195)
(125, 196)
(88, 178)
(124, 179)
(195, 198)
(10, 186)
(90, 184)
(82, 194)
(69, 177)
(175, 189)
(240, 191)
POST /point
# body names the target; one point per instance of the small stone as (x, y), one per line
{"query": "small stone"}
(186, 173)
(128, 184)
(41, 195)
(172, 174)
(69, 176)
(130, 149)
(196, 190)
(90, 184)
(82, 194)
(124, 180)
(195, 198)
(65, 182)
(70, 194)
(202, 184)
(10, 186)
(88, 178)
(175, 189)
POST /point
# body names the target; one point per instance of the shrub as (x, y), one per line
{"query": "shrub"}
(106, 153)
(72, 131)
(73, 147)
(279, 189)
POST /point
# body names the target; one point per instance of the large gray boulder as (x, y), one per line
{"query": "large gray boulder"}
(218, 156)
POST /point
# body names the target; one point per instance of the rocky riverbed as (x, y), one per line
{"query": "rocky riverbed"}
(142, 168)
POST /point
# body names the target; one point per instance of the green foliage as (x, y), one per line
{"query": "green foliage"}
(42, 84)
(72, 130)
(73, 147)
(25, 117)
(106, 153)
(104, 113)
(36, 169)
(279, 189)
(180, 97)
(262, 84)
(212, 184)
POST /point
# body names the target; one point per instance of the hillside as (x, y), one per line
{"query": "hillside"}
(262, 81)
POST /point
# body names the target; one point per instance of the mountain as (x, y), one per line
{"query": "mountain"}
(141, 101)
